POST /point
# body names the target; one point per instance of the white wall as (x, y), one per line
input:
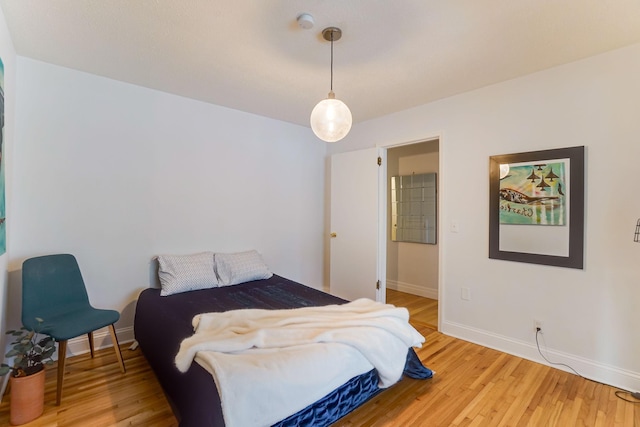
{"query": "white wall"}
(8, 56)
(590, 316)
(116, 173)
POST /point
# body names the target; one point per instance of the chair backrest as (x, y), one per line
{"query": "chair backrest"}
(51, 284)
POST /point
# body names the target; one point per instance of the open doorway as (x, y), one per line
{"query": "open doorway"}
(412, 268)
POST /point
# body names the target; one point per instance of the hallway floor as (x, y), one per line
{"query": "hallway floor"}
(422, 310)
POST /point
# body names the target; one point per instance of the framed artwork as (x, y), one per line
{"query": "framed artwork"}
(536, 207)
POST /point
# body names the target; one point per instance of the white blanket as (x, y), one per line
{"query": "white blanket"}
(269, 364)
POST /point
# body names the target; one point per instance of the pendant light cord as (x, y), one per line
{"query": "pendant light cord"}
(331, 61)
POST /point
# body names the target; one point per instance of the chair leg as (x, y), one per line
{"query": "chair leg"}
(116, 347)
(62, 354)
(90, 335)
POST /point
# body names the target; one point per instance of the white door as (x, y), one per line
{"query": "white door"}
(358, 204)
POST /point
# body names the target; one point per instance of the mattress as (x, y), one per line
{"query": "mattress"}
(161, 323)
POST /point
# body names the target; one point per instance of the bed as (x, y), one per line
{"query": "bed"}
(163, 322)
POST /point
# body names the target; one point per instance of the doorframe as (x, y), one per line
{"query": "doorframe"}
(381, 292)
(382, 218)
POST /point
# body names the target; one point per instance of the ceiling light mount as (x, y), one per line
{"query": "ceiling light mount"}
(332, 34)
(331, 118)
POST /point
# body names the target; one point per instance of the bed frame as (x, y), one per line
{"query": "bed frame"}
(161, 323)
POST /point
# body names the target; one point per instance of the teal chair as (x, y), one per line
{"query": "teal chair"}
(53, 290)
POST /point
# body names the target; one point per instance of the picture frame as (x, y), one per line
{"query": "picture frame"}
(552, 232)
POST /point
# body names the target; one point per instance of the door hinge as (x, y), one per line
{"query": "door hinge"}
(378, 284)
(379, 161)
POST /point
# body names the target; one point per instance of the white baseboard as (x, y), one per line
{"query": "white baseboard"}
(101, 339)
(412, 289)
(590, 369)
(626, 380)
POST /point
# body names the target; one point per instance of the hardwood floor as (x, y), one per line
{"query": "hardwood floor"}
(96, 393)
(422, 310)
(473, 386)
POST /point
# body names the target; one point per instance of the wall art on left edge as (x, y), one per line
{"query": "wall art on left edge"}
(3, 210)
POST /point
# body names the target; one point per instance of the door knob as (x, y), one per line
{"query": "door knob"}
(333, 235)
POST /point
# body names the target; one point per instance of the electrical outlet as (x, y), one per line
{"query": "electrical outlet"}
(537, 325)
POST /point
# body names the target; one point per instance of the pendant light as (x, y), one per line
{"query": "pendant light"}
(331, 118)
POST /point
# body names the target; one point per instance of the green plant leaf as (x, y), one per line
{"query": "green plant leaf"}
(44, 341)
(48, 353)
(4, 369)
(30, 350)
(20, 363)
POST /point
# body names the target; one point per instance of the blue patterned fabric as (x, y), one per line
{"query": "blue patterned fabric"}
(336, 404)
(350, 395)
(414, 368)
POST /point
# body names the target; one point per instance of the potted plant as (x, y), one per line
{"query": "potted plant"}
(30, 352)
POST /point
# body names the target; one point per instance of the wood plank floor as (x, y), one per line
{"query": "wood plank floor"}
(423, 310)
(473, 386)
(96, 393)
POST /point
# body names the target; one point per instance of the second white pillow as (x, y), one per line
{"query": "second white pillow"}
(240, 267)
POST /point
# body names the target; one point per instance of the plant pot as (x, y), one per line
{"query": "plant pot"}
(27, 398)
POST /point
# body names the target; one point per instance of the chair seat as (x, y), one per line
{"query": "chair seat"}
(74, 323)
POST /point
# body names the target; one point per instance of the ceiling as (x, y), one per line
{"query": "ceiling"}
(251, 55)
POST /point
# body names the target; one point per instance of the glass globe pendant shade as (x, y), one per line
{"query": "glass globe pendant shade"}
(331, 119)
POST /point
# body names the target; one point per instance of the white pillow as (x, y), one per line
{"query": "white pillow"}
(182, 273)
(240, 267)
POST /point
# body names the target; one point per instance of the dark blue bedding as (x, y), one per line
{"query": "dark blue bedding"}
(161, 323)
